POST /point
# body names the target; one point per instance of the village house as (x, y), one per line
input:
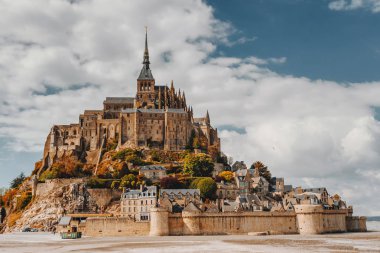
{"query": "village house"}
(320, 192)
(278, 185)
(335, 202)
(176, 200)
(227, 190)
(136, 204)
(259, 184)
(243, 180)
(307, 198)
(153, 172)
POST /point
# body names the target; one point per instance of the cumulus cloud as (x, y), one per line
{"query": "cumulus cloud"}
(347, 5)
(58, 58)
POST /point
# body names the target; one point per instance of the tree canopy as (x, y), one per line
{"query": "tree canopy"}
(17, 181)
(263, 170)
(207, 187)
(198, 165)
(227, 175)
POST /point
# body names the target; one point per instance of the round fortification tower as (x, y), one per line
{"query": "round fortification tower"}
(159, 221)
(191, 224)
(309, 219)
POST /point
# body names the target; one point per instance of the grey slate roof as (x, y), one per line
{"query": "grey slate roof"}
(143, 110)
(152, 167)
(119, 100)
(64, 221)
(145, 74)
(137, 193)
(172, 110)
(315, 190)
(182, 191)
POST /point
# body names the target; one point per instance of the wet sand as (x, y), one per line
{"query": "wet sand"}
(43, 242)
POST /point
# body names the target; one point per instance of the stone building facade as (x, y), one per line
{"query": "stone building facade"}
(136, 204)
(157, 117)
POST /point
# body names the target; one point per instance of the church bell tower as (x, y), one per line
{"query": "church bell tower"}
(145, 96)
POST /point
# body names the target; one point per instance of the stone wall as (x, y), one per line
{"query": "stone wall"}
(308, 219)
(113, 226)
(334, 221)
(312, 219)
(193, 223)
(356, 224)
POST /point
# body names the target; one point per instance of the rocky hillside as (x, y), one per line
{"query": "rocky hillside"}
(57, 197)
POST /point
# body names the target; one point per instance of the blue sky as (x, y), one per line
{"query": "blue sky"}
(317, 42)
(293, 83)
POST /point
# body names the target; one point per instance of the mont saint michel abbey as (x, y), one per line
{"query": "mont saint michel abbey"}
(158, 117)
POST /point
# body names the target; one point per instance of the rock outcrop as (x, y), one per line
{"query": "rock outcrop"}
(58, 197)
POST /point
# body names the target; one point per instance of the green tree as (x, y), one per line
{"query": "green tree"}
(129, 180)
(198, 165)
(207, 187)
(18, 180)
(263, 170)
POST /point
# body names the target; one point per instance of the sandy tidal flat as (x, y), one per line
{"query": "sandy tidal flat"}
(44, 242)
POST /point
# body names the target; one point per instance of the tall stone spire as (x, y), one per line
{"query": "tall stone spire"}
(146, 51)
(146, 73)
(207, 117)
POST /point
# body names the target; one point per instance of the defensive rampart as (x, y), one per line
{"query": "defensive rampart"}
(356, 224)
(112, 226)
(307, 219)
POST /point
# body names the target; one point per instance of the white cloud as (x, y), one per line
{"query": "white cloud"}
(310, 131)
(347, 5)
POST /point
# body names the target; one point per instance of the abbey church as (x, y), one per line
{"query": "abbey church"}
(158, 117)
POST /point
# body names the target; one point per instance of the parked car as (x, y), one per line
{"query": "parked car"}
(27, 229)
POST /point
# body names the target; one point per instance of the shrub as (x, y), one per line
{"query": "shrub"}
(98, 183)
(134, 159)
(122, 154)
(226, 175)
(8, 196)
(65, 168)
(13, 217)
(24, 200)
(111, 145)
(195, 181)
(115, 184)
